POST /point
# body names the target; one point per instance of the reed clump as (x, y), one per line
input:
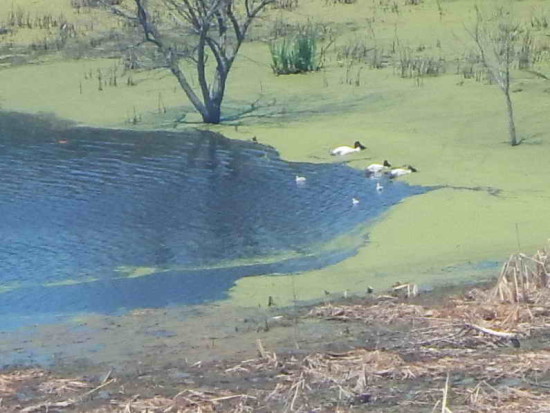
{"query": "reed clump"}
(523, 279)
(285, 4)
(77, 4)
(299, 53)
(362, 52)
(413, 66)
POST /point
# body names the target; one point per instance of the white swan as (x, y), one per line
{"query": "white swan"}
(378, 167)
(346, 150)
(397, 172)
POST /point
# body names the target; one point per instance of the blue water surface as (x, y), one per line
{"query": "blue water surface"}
(79, 205)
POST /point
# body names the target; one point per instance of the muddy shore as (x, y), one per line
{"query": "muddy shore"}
(469, 348)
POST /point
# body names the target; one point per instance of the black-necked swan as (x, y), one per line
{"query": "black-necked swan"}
(378, 167)
(346, 150)
(404, 170)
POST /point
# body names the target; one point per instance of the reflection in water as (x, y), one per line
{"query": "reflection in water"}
(78, 203)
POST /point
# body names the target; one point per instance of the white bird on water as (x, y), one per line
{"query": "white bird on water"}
(354, 201)
(397, 172)
(379, 187)
(346, 150)
(300, 179)
(376, 168)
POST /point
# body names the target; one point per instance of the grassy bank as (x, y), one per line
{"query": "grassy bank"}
(451, 128)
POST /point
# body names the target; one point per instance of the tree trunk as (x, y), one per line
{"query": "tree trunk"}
(511, 124)
(212, 114)
(213, 99)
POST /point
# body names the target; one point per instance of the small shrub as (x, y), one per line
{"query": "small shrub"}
(19, 18)
(419, 66)
(328, 2)
(358, 51)
(296, 54)
(354, 51)
(466, 65)
(281, 28)
(541, 54)
(352, 77)
(540, 21)
(526, 51)
(377, 59)
(77, 4)
(390, 6)
(285, 4)
(530, 52)
(470, 66)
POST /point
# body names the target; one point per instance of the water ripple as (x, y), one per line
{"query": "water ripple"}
(79, 203)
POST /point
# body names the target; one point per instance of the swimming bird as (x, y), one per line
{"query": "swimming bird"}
(346, 150)
(378, 167)
(354, 201)
(379, 187)
(404, 170)
(300, 179)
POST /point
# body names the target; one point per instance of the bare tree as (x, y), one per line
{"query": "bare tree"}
(197, 30)
(497, 38)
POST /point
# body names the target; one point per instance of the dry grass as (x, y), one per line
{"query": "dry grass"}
(60, 387)
(346, 378)
(464, 355)
(516, 307)
(382, 312)
(188, 401)
(484, 366)
(486, 398)
(11, 382)
(361, 376)
(463, 336)
(523, 278)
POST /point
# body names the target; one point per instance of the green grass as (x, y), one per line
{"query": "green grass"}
(451, 128)
(297, 53)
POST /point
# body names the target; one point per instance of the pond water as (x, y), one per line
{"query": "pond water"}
(98, 220)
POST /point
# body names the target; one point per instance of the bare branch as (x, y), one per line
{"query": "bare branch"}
(186, 12)
(496, 40)
(194, 18)
(234, 22)
(219, 54)
(119, 12)
(201, 66)
(149, 29)
(218, 26)
(259, 8)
